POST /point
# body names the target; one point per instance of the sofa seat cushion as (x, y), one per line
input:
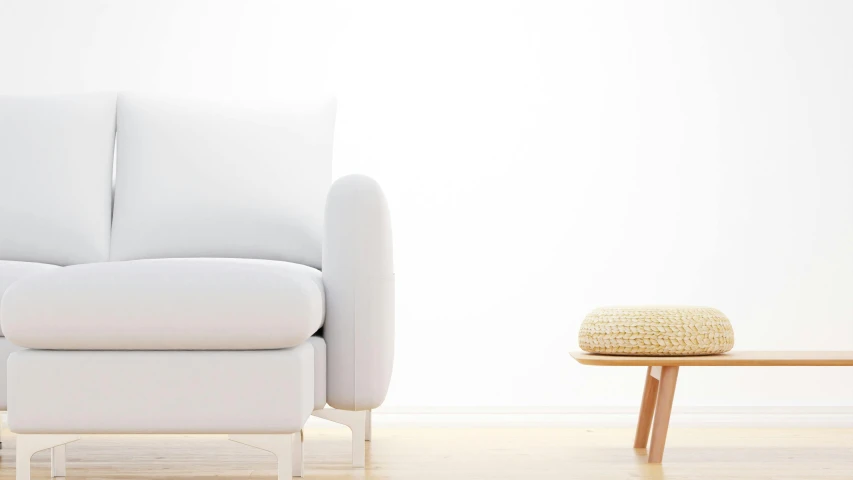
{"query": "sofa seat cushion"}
(168, 304)
(11, 272)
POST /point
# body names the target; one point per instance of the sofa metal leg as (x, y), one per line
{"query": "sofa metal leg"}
(298, 462)
(357, 423)
(28, 444)
(278, 444)
(3, 424)
(57, 461)
(368, 425)
(358, 448)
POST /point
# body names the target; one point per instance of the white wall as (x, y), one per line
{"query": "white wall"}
(541, 159)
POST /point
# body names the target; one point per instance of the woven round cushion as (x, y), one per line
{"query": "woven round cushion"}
(656, 331)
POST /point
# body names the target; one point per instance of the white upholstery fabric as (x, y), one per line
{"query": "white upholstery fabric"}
(56, 158)
(358, 274)
(169, 304)
(206, 181)
(7, 347)
(10, 272)
(319, 371)
(267, 391)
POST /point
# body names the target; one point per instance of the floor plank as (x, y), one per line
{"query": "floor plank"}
(469, 453)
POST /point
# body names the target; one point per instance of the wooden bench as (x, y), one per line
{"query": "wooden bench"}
(662, 373)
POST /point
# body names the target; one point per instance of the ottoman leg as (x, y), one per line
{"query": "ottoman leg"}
(22, 464)
(57, 461)
(28, 444)
(647, 411)
(666, 392)
(278, 444)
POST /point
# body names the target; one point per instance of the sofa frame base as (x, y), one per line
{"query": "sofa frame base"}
(288, 447)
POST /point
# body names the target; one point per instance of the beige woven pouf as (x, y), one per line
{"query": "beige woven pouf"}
(656, 330)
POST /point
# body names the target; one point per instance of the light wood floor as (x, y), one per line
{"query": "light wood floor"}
(470, 453)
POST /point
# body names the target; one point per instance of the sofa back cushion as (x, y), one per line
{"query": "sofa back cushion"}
(205, 180)
(56, 165)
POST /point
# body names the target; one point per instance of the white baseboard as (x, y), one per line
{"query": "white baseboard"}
(603, 417)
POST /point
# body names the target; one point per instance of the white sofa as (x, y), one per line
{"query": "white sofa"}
(169, 266)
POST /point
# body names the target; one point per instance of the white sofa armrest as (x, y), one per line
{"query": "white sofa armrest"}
(358, 275)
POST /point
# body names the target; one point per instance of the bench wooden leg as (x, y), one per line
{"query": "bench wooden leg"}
(647, 411)
(666, 392)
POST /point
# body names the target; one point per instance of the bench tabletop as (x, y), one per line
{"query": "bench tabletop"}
(768, 358)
